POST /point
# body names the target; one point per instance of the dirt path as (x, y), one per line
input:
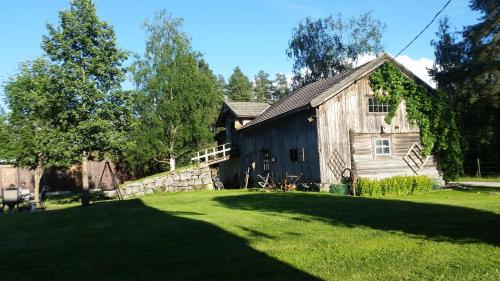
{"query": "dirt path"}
(479, 183)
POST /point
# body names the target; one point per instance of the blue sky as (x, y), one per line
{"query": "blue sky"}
(251, 34)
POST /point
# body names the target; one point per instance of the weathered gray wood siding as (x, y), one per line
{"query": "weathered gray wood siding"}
(228, 172)
(348, 112)
(279, 137)
(369, 165)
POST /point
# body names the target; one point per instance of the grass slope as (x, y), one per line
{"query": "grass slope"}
(239, 235)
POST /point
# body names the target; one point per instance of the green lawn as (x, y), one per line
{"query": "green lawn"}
(241, 235)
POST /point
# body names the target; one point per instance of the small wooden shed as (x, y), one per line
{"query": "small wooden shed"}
(325, 127)
(232, 117)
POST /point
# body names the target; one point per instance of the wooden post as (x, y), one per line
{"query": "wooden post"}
(18, 181)
(478, 168)
(247, 176)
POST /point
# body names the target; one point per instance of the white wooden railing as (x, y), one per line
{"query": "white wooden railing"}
(213, 155)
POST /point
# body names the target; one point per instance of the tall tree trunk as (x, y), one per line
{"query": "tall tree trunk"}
(85, 180)
(171, 163)
(38, 178)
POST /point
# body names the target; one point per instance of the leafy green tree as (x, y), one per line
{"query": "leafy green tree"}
(263, 89)
(281, 88)
(34, 135)
(325, 47)
(239, 86)
(177, 100)
(90, 75)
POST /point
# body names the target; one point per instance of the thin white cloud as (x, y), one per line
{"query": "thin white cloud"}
(418, 67)
(364, 59)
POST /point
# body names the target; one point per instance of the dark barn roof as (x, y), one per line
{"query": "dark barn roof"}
(318, 92)
(299, 99)
(247, 109)
(241, 109)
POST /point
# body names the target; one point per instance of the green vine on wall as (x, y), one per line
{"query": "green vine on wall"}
(427, 109)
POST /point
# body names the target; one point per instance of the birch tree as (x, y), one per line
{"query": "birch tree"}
(177, 97)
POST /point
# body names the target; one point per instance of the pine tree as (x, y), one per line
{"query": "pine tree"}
(263, 87)
(239, 86)
(468, 71)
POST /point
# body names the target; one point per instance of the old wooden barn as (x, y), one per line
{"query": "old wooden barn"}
(318, 131)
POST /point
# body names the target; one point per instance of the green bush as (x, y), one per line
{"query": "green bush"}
(394, 186)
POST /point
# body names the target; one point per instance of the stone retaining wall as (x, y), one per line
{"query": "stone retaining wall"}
(187, 179)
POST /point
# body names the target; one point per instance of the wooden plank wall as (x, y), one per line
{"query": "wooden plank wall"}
(348, 111)
(228, 172)
(370, 165)
(279, 136)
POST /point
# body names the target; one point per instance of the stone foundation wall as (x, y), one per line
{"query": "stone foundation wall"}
(188, 179)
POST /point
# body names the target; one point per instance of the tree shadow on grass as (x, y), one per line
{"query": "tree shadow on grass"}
(432, 221)
(128, 240)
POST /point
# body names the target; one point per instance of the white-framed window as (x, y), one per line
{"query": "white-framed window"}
(377, 106)
(382, 146)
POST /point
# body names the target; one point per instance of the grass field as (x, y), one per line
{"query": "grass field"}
(241, 235)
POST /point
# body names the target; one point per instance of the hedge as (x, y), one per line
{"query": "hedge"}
(397, 185)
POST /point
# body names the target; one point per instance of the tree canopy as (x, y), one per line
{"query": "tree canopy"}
(35, 130)
(263, 89)
(239, 86)
(325, 47)
(91, 70)
(176, 101)
(281, 87)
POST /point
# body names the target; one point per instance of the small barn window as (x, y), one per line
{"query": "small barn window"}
(377, 106)
(382, 146)
(297, 154)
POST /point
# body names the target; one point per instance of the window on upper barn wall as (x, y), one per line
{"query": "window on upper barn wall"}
(377, 106)
(382, 146)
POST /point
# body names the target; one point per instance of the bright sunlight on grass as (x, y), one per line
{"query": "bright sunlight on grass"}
(241, 235)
